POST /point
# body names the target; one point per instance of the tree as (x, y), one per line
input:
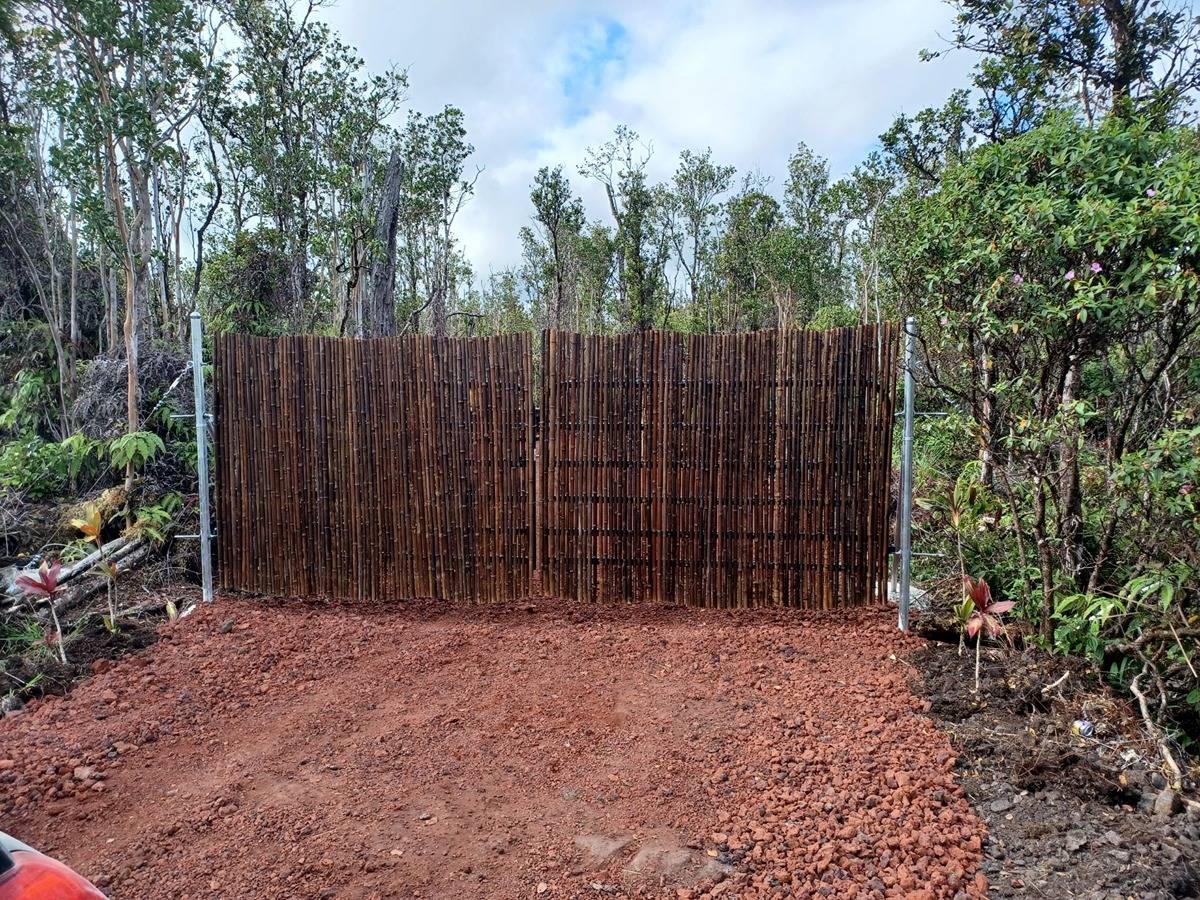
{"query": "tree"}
(817, 245)
(1055, 274)
(301, 126)
(378, 314)
(694, 213)
(861, 203)
(1131, 57)
(244, 284)
(128, 107)
(597, 272)
(41, 233)
(751, 216)
(435, 154)
(641, 243)
(922, 146)
(558, 215)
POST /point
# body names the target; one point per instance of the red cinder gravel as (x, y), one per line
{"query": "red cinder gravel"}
(545, 749)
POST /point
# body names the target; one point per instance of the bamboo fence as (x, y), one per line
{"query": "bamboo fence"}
(718, 470)
(712, 470)
(391, 467)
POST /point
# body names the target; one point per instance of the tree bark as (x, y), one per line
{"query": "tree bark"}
(1071, 497)
(380, 308)
(1045, 560)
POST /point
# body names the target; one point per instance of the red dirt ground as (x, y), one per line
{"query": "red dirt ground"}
(307, 750)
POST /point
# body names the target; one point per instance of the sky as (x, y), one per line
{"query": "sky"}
(542, 80)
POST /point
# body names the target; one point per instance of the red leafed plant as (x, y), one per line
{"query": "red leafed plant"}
(983, 614)
(44, 584)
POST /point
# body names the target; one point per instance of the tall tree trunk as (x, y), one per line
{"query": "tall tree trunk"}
(139, 242)
(162, 282)
(381, 305)
(556, 313)
(1070, 494)
(1121, 16)
(986, 461)
(73, 288)
(439, 311)
(1045, 559)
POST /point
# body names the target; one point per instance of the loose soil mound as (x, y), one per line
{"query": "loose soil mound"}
(1068, 815)
(301, 750)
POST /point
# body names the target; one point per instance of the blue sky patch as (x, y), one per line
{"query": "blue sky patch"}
(596, 49)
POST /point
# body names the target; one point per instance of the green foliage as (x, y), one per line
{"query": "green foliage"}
(1080, 622)
(1162, 481)
(969, 524)
(1066, 250)
(1124, 58)
(136, 448)
(1145, 627)
(245, 284)
(1058, 285)
(42, 469)
(30, 401)
(34, 467)
(833, 316)
(81, 454)
(154, 522)
(641, 241)
(963, 612)
(19, 636)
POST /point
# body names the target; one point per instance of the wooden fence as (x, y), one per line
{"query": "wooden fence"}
(715, 470)
(395, 467)
(718, 470)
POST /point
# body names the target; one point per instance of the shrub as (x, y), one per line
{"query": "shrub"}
(1055, 276)
(37, 468)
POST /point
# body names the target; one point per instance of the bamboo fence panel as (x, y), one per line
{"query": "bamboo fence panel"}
(391, 467)
(717, 470)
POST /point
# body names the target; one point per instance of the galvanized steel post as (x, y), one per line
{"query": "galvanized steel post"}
(206, 576)
(906, 471)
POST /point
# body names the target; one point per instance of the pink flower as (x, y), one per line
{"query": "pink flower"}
(1185, 489)
(44, 583)
(1096, 268)
(1071, 275)
(1151, 192)
(1018, 278)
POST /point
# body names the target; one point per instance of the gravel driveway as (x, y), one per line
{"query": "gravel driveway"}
(541, 749)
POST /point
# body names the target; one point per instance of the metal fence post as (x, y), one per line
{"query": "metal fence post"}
(906, 471)
(206, 579)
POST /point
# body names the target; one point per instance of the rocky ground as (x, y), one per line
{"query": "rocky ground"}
(558, 750)
(1072, 810)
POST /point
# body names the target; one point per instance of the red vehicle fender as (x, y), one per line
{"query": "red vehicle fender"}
(26, 874)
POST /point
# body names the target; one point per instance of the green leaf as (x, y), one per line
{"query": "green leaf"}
(136, 448)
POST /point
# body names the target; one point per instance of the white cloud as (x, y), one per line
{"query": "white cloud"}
(540, 81)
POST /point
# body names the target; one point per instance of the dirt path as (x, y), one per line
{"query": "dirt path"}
(291, 750)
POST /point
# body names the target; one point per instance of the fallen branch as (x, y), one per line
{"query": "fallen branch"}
(1052, 685)
(1156, 733)
(1154, 634)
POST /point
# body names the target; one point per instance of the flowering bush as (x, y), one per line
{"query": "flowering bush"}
(1055, 277)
